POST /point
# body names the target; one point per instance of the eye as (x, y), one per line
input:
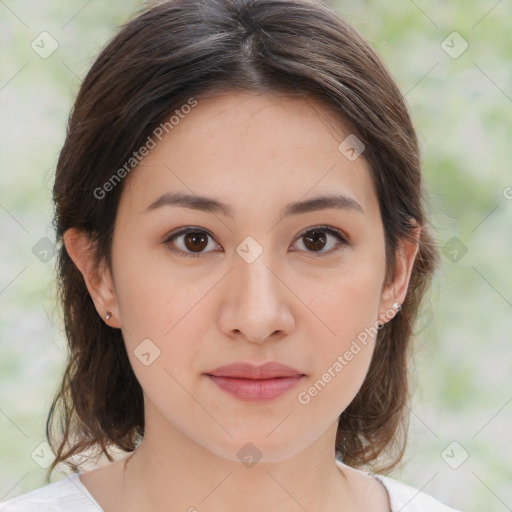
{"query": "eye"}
(195, 241)
(315, 239)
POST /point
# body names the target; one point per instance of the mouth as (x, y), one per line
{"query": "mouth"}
(256, 383)
(256, 390)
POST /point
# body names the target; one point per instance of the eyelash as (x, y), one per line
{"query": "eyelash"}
(327, 229)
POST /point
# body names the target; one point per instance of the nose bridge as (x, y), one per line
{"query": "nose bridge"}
(253, 276)
(257, 296)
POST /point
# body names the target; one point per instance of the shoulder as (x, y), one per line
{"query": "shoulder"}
(405, 498)
(62, 496)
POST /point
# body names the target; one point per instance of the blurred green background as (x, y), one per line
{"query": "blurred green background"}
(459, 447)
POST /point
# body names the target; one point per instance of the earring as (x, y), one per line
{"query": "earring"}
(108, 315)
(397, 306)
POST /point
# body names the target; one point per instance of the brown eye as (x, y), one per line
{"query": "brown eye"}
(193, 242)
(316, 239)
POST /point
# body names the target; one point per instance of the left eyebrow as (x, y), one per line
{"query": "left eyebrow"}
(210, 205)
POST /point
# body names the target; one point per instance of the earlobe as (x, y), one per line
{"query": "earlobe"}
(98, 280)
(396, 291)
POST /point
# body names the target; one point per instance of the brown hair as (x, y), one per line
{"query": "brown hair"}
(184, 49)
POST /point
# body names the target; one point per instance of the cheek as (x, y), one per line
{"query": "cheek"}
(165, 323)
(339, 370)
(346, 311)
(344, 305)
(154, 298)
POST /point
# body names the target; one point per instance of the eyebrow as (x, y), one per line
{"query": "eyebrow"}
(210, 205)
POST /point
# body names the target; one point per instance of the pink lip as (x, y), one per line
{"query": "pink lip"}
(255, 383)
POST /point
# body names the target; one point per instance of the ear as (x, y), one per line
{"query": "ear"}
(396, 290)
(98, 280)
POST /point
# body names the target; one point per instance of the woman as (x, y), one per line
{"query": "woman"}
(245, 250)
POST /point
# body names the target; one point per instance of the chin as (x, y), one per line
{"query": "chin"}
(258, 447)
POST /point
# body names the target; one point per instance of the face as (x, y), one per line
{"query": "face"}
(254, 281)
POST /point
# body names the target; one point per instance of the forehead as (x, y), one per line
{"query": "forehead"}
(252, 149)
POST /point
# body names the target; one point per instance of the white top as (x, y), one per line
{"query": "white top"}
(69, 494)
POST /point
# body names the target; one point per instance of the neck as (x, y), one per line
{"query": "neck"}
(185, 475)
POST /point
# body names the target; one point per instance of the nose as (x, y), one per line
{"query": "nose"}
(258, 304)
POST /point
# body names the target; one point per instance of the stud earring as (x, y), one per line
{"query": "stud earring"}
(108, 315)
(397, 306)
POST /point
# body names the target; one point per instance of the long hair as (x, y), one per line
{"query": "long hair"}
(183, 49)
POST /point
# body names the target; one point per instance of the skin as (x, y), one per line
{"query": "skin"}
(291, 304)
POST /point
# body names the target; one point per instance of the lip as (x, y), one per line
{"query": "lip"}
(256, 382)
(269, 370)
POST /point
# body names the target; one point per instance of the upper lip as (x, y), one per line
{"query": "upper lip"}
(269, 370)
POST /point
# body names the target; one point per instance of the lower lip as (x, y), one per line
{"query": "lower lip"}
(256, 390)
